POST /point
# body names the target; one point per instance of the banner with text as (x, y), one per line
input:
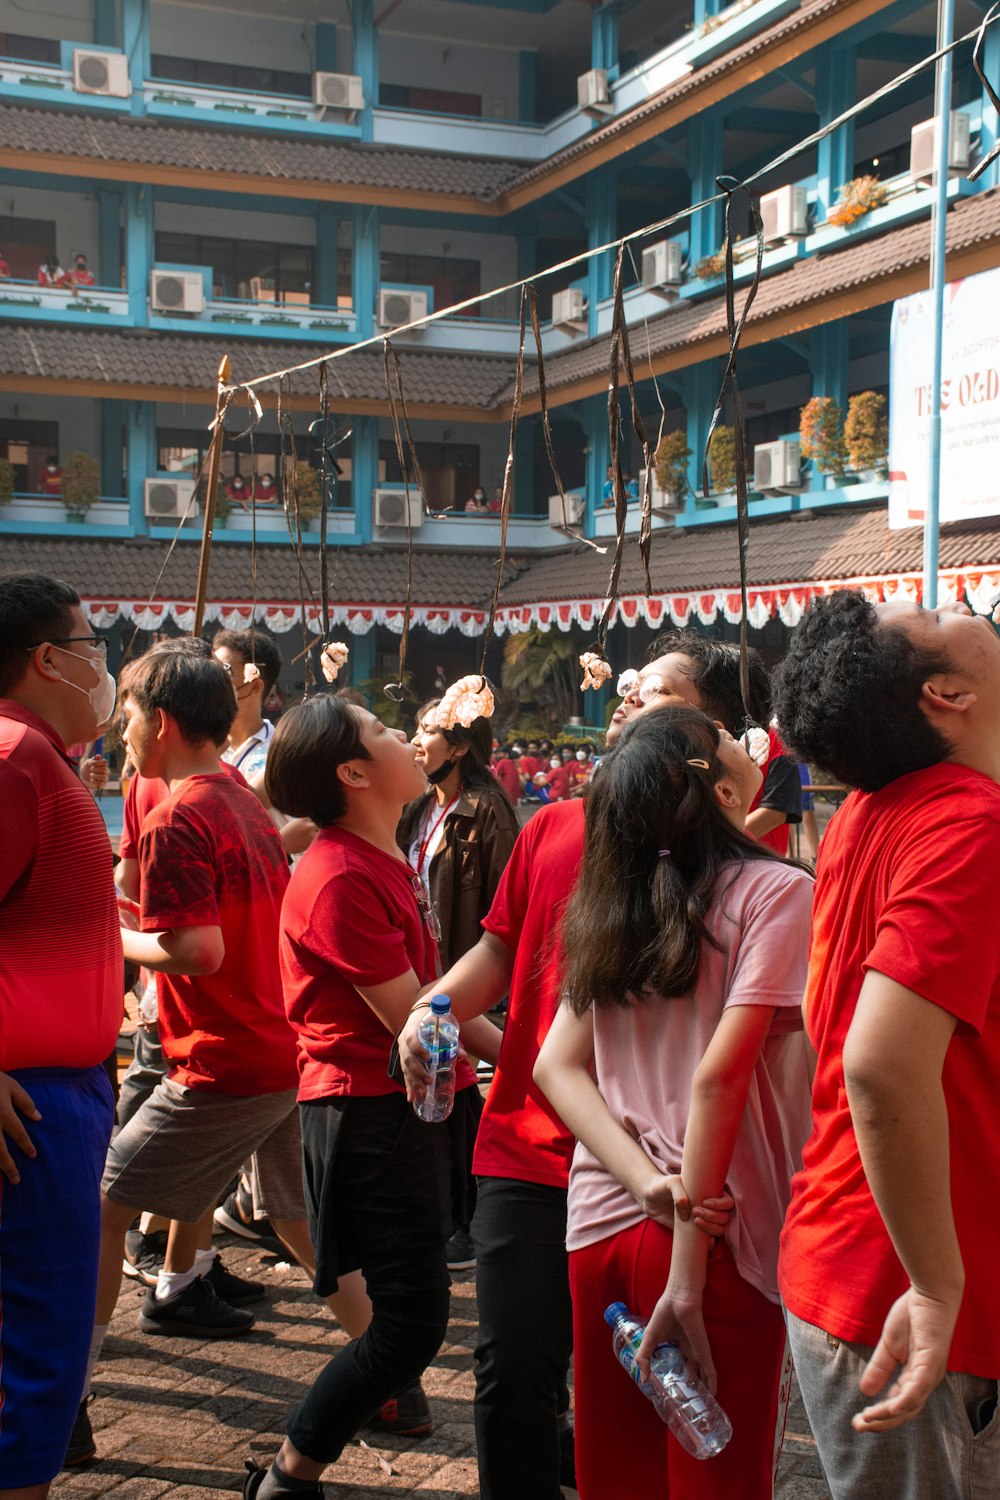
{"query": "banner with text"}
(970, 402)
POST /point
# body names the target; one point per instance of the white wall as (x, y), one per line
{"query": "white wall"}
(79, 419)
(75, 216)
(496, 253)
(69, 20)
(437, 63)
(198, 31)
(189, 218)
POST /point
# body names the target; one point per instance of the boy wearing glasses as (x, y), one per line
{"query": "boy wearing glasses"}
(60, 1010)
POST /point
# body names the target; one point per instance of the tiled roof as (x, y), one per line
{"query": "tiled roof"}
(127, 569)
(145, 358)
(158, 143)
(972, 221)
(834, 544)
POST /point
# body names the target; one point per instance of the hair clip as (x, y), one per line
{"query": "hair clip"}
(702, 765)
(663, 853)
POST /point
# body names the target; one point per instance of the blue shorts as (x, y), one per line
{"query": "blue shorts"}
(50, 1236)
(805, 777)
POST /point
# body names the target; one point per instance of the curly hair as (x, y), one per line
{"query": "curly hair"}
(715, 672)
(847, 695)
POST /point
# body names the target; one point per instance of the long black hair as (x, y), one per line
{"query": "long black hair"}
(656, 843)
(474, 766)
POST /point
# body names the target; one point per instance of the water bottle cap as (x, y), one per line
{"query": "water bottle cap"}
(614, 1312)
(440, 1004)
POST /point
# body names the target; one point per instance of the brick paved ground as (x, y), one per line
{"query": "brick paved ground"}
(177, 1417)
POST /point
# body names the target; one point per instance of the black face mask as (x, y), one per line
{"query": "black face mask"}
(442, 773)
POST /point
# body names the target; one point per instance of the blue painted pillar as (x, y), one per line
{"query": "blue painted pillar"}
(135, 39)
(112, 440)
(366, 60)
(829, 349)
(140, 208)
(105, 23)
(604, 38)
(700, 385)
(599, 443)
(524, 501)
(835, 79)
(602, 226)
(327, 231)
(326, 47)
(526, 84)
(109, 237)
(364, 473)
(362, 658)
(140, 443)
(705, 155)
(991, 124)
(365, 270)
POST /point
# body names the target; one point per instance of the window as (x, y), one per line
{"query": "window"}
(450, 470)
(236, 263)
(452, 280)
(29, 48)
(226, 75)
(26, 243)
(438, 101)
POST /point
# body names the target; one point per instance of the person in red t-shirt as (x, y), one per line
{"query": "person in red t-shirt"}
(523, 1150)
(356, 947)
(60, 1011)
(212, 875)
(505, 771)
(891, 1243)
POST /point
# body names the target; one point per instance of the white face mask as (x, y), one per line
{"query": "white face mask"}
(102, 695)
(581, 755)
(554, 763)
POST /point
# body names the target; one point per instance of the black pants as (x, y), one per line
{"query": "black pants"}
(377, 1187)
(525, 1337)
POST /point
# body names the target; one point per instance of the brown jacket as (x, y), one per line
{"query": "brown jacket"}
(466, 868)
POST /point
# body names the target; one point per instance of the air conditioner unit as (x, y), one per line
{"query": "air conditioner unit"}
(397, 308)
(785, 214)
(776, 465)
(101, 73)
(661, 264)
(177, 291)
(574, 510)
(166, 499)
(568, 306)
(390, 508)
(923, 147)
(592, 92)
(338, 91)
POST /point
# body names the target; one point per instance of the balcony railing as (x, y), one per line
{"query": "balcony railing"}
(19, 297)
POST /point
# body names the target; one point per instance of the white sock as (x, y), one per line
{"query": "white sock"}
(169, 1283)
(96, 1345)
(203, 1261)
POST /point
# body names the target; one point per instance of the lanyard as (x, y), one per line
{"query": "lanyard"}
(422, 851)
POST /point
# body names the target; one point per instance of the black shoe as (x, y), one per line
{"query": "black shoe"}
(144, 1254)
(460, 1253)
(81, 1448)
(255, 1475)
(236, 1290)
(406, 1415)
(194, 1312)
(235, 1213)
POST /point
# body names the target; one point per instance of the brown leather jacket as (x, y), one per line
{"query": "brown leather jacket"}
(466, 868)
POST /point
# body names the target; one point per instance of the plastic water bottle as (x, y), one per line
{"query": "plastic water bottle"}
(691, 1412)
(438, 1033)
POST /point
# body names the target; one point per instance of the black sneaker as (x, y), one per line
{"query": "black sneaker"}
(81, 1448)
(144, 1255)
(194, 1312)
(236, 1290)
(235, 1213)
(255, 1475)
(460, 1253)
(406, 1415)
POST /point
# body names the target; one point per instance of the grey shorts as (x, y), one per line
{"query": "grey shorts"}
(182, 1146)
(939, 1455)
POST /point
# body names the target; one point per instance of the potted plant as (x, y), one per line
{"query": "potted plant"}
(821, 428)
(6, 481)
(855, 199)
(866, 433)
(81, 484)
(671, 464)
(306, 488)
(223, 505)
(722, 458)
(711, 266)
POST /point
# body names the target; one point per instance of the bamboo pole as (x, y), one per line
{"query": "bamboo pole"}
(214, 463)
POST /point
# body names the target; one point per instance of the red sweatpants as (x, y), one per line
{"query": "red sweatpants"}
(622, 1447)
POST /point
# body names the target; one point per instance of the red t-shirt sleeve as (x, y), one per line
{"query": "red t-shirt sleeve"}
(352, 930)
(20, 826)
(128, 847)
(507, 914)
(929, 915)
(177, 875)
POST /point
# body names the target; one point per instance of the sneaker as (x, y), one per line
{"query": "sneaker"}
(194, 1312)
(236, 1290)
(405, 1415)
(81, 1448)
(255, 1475)
(144, 1254)
(459, 1253)
(235, 1213)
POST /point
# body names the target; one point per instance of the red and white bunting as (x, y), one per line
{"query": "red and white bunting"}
(358, 619)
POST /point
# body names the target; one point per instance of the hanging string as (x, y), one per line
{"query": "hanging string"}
(324, 572)
(293, 519)
(508, 482)
(617, 484)
(396, 691)
(977, 62)
(730, 385)
(638, 426)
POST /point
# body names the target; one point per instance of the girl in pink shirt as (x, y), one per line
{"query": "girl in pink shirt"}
(679, 1061)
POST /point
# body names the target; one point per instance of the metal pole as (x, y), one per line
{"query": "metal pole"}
(939, 225)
